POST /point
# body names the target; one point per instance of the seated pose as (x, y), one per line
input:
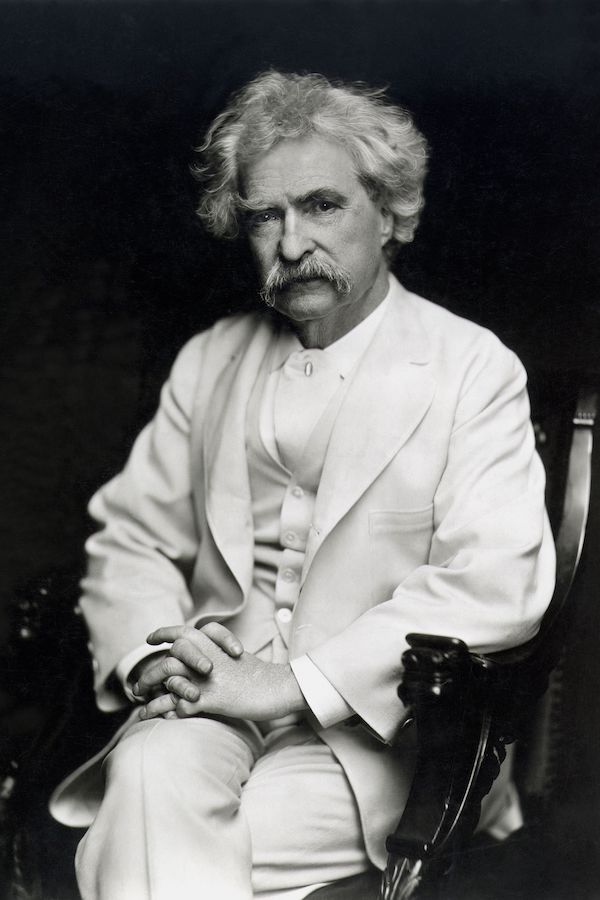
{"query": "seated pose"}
(343, 466)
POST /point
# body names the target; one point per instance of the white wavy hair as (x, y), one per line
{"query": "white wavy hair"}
(389, 153)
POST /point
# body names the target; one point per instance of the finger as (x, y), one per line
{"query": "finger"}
(157, 691)
(187, 710)
(183, 687)
(223, 638)
(190, 650)
(152, 678)
(166, 635)
(190, 657)
(147, 677)
(146, 692)
(156, 675)
(158, 707)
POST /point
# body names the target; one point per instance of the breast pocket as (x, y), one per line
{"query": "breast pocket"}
(399, 542)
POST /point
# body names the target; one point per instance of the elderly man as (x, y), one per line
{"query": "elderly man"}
(322, 477)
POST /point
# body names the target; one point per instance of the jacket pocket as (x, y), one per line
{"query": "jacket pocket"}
(399, 542)
(403, 520)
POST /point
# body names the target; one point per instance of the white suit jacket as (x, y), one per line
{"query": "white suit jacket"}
(429, 517)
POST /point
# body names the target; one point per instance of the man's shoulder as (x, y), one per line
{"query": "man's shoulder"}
(204, 357)
(233, 329)
(453, 337)
(224, 338)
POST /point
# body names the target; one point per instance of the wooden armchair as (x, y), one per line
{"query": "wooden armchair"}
(466, 707)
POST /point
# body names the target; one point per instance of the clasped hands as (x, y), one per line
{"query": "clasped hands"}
(207, 671)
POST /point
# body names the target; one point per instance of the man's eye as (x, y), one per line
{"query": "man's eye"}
(324, 206)
(262, 218)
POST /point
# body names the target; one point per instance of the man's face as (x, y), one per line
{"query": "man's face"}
(309, 221)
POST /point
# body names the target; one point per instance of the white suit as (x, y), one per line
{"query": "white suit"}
(429, 517)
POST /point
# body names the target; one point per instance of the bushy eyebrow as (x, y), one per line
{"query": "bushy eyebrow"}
(249, 206)
(323, 193)
(319, 193)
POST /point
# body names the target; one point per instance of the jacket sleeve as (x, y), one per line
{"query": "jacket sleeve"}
(140, 560)
(490, 572)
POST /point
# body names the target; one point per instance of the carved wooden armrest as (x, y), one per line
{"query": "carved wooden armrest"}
(466, 708)
(457, 703)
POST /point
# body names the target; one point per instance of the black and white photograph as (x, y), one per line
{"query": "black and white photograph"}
(299, 462)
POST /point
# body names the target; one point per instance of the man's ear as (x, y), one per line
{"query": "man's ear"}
(387, 225)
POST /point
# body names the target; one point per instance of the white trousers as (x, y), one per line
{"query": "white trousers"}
(200, 808)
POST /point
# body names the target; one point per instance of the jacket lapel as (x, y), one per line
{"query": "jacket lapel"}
(227, 486)
(389, 395)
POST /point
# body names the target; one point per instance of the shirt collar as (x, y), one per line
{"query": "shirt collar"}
(346, 351)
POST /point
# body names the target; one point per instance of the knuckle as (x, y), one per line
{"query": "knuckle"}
(185, 709)
(179, 645)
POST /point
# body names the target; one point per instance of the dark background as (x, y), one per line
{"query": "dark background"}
(105, 271)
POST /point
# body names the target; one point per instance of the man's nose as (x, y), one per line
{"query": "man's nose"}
(295, 240)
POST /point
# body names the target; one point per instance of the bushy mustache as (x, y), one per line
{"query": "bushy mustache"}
(282, 275)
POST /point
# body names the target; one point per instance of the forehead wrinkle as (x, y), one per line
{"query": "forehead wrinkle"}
(267, 199)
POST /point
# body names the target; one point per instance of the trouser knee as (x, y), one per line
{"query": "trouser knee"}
(179, 756)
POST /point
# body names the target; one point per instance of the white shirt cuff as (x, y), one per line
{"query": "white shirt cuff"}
(126, 665)
(325, 702)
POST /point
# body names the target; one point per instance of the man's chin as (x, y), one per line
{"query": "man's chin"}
(306, 300)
